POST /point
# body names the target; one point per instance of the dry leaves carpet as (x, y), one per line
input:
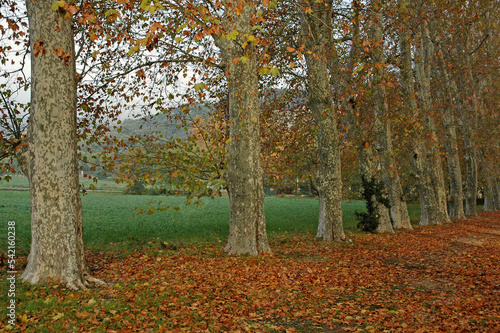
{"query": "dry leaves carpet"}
(433, 279)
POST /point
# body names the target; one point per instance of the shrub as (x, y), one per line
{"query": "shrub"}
(137, 188)
(369, 221)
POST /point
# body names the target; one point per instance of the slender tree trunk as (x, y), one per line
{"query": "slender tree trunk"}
(491, 153)
(57, 251)
(321, 219)
(454, 169)
(247, 224)
(315, 26)
(399, 211)
(447, 93)
(468, 126)
(471, 180)
(497, 192)
(424, 56)
(491, 203)
(430, 212)
(470, 158)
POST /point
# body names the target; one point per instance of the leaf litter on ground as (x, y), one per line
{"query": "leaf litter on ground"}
(443, 278)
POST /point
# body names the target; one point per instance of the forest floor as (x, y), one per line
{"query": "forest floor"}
(442, 278)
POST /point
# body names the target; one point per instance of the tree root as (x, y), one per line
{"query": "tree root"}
(89, 279)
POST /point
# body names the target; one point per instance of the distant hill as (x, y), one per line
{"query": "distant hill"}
(167, 124)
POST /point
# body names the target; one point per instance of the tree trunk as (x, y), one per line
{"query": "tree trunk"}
(454, 169)
(468, 124)
(491, 203)
(315, 26)
(471, 180)
(247, 224)
(57, 251)
(321, 220)
(424, 57)
(399, 211)
(490, 154)
(448, 93)
(470, 156)
(430, 212)
(497, 192)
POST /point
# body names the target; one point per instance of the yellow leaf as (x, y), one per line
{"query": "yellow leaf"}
(58, 4)
(252, 39)
(254, 119)
(58, 316)
(244, 59)
(233, 34)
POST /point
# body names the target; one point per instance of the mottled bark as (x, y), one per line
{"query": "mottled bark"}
(321, 219)
(490, 158)
(448, 93)
(454, 169)
(423, 60)
(247, 224)
(430, 212)
(315, 26)
(399, 211)
(468, 124)
(470, 157)
(57, 251)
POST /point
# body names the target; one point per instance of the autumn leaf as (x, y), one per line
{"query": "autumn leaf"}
(38, 48)
(232, 35)
(65, 57)
(58, 4)
(199, 86)
(244, 59)
(157, 26)
(141, 74)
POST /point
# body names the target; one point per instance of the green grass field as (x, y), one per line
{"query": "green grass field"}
(111, 223)
(21, 182)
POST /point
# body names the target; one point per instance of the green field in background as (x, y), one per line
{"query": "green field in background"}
(21, 182)
(111, 223)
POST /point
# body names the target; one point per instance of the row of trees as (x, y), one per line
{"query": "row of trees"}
(298, 89)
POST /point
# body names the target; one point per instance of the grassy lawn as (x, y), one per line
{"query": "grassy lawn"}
(111, 223)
